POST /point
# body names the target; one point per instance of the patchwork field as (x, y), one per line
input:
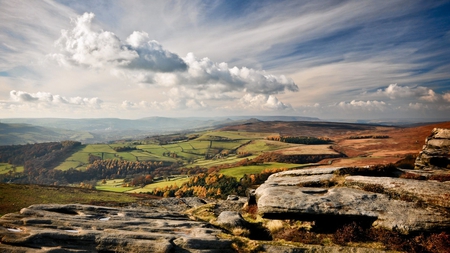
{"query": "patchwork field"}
(233, 144)
(193, 151)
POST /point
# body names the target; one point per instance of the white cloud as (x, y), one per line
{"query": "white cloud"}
(47, 99)
(364, 105)
(446, 96)
(144, 61)
(83, 45)
(141, 52)
(396, 92)
(262, 102)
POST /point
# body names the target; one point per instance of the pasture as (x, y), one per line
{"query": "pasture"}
(161, 184)
(6, 167)
(239, 172)
(113, 185)
(260, 146)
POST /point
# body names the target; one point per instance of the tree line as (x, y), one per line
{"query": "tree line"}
(308, 140)
(214, 185)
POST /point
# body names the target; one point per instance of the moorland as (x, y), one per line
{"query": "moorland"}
(237, 151)
(210, 163)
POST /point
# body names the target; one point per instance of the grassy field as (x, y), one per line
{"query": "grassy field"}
(211, 143)
(178, 181)
(234, 135)
(5, 168)
(14, 197)
(238, 172)
(114, 185)
(260, 146)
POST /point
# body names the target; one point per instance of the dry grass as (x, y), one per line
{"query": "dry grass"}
(240, 232)
(274, 226)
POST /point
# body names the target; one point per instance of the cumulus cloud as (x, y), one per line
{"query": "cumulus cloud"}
(446, 96)
(45, 98)
(152, 56)
(144, 61)
(364, 105)
(84, 46)
(168, 105)
(262, 102)
(394, 91)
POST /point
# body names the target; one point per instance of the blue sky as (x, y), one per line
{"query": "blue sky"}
(132, 59)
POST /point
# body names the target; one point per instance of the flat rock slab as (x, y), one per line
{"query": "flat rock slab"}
(87, 228)
(431, 192)
(283, 197)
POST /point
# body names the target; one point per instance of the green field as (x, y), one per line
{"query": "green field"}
(114, 185)
(178, 181)
(259, 146)
(193, 151)
(6, 167)
(238, 172)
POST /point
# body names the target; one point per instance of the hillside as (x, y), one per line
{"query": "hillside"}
(33, 130)
(401, 141)
(20, 133)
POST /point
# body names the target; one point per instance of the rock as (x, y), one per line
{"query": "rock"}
(232, 197)
(87, 228)
(284, 196)
(436, 151)
(431, 192)
(230, 219)
(174, 204)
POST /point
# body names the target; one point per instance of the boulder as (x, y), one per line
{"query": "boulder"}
(435, 154)
(87, 228)
(230, 219)
(430, 192)
(284, 196)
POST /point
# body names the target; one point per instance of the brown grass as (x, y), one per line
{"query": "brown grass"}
(14, 197)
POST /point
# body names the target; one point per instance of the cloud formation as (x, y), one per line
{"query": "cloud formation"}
(364, 105)
(394, 91)
(84, 46)
(45, 98)
(262, 102)
(136, 58)
(141, 60)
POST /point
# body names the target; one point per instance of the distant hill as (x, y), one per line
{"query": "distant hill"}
(32, 130)
(303, 128)
(18, 133)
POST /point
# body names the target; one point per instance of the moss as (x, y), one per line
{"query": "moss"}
(204, 212)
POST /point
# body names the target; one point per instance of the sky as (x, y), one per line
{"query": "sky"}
(131, 59)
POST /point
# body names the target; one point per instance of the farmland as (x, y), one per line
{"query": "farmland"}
(6, 168)
(224, 151)
(207, 149)
(201, 151)
(239, 172)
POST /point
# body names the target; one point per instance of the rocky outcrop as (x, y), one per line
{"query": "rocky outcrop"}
(435, 154)
(433, 193)
(287, 195)
(86, 228)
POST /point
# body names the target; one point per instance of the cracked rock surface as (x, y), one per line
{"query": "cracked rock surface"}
(284, 195)
(87, 228)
